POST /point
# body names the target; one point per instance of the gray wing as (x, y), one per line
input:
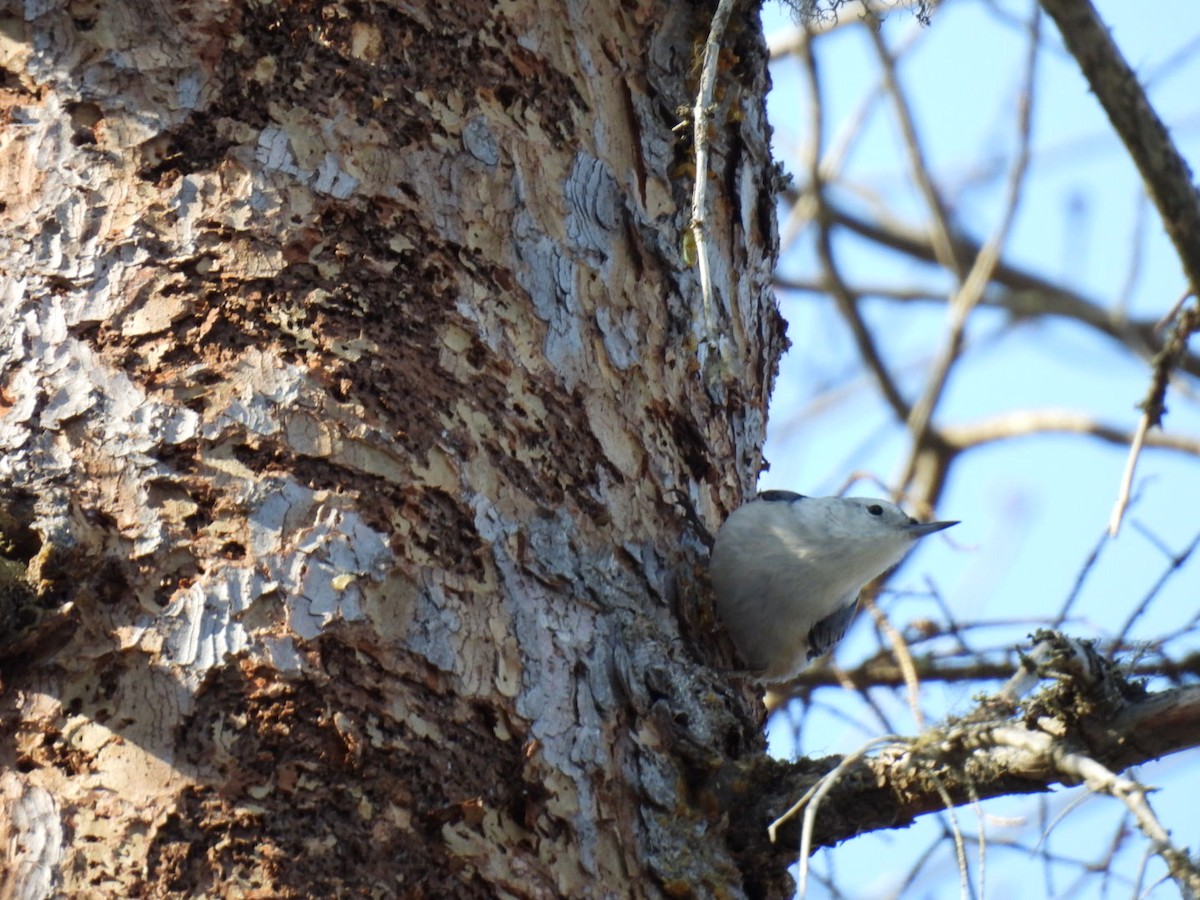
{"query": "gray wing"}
(826, 633)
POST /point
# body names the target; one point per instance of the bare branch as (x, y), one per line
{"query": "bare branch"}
(976, 280)
(1125, 491)
(849, 13)
(832, 160)
(1175, 563)
(1043, 749)
(1028, 295)
(883, 671)
(811, 802)
(1088, 719)
(846, 302)
(918, 165)
(1029, 422)
(1154, 406)
(903, 656)
(1166, 173)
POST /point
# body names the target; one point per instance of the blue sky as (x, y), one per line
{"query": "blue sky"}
(1032, 509)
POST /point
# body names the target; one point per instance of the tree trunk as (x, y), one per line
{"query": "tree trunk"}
(359, 435)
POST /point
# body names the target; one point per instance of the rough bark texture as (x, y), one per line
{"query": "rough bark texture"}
(358, 435)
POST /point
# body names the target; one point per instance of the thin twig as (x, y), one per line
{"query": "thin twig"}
(813, 797)
(982, 820)
(846, 303)
(1027, 296)
(1077, 588)
(1077, 766)
(701, 119)
(985, 665)
(1177, 307)
(1126, 489)
(960, 850)
(918, 167)
(903, 659)
(974, 282)
(845, 14)
(1069, 807)
(1026, 422)
(1154, 407)
(1176, 563)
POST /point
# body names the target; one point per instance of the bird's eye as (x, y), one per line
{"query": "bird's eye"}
(875, 509)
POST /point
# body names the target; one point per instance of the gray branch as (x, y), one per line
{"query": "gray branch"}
(1166, 174)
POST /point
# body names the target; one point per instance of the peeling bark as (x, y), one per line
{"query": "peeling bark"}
(356, 450)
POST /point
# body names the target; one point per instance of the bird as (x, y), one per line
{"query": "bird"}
(787, 570)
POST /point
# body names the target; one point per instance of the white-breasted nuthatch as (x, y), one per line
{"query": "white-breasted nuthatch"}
(787, 570)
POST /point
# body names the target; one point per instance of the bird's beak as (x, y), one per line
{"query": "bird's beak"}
(920, 529)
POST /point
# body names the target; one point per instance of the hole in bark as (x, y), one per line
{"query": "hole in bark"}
(18, 541)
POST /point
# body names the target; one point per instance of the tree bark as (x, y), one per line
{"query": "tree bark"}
(358, 439)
